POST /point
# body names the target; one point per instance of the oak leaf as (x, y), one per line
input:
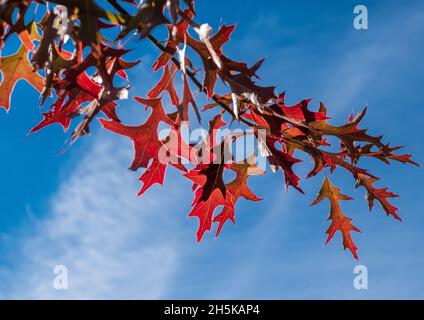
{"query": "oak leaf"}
(339, 222)
(381, 194)
(14, 68)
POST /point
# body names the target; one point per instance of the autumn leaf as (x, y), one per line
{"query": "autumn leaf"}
(211, 69)
(213, 167)
(300, 111)
(280, 159)
(236, 189)
(204, 209)
(166, 83)
(145, 137)
(154, 174)
(177, 151)
(188, 100)
(242, 84)
(147, 18)
(88, 12)
(332, 160)
(385, 155)
(14, 68)
(381, 194)
(349, 134)
(339, 222)
(176, 35)
(27, 32)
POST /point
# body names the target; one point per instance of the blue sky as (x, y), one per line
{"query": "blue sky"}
(79, 208)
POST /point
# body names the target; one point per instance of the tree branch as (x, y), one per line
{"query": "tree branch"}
(197, 83)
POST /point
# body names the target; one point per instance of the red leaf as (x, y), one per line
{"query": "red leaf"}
(188, 99)
(176, 36)
(166, 83)
(178, 150)
(300, 111)
(145, 137)
(62, 113)
(217, 41)
(85, 90)
(349, 134)
(204, 210)
(155, 173)
(236, 189)
(279, 159)
(380, 194)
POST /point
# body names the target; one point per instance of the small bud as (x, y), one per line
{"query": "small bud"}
(204, 31)
(235, 105)
(182, 55)
(123, 94)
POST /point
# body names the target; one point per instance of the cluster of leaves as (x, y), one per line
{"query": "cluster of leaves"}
(80, 95)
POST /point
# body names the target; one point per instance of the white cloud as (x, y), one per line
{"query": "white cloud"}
(113, 244)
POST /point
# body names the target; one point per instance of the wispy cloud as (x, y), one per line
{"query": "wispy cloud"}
(113, 244)
(341, 67)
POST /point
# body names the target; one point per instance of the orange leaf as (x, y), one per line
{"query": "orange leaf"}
(14, 68)
(339, 222)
